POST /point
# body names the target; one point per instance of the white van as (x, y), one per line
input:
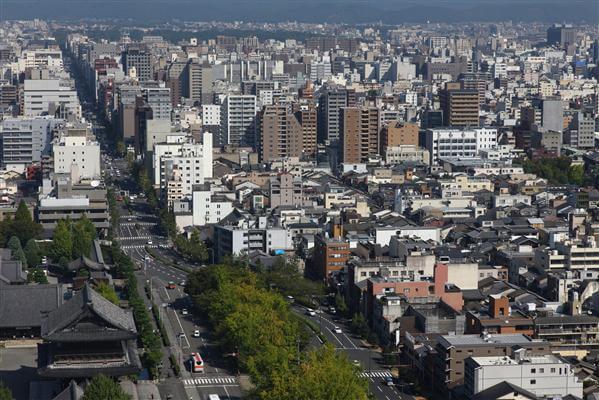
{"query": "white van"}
(213, 397)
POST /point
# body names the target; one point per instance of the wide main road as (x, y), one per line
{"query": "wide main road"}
(137, 234)
(370, 362)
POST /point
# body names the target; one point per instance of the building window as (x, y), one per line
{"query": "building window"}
(533, 381)
(553, 370)
(533, 371)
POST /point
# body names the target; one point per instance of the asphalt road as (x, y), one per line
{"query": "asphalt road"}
(135, 232)
(354, 348)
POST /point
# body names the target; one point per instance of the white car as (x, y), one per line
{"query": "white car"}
(150, 242)
(196, 333)
(184, 311)
(336, 329)
(310, 312)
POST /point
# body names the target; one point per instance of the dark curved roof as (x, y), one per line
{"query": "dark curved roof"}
(84, 262)
(119, 322)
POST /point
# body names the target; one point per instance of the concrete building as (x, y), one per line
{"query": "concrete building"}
(561, 35)
(453, 350)
(330, 256)
(25, 139)
(211, 114)
(239, 239)
(159, 99)
(239, 120)
(399, 134)
(65, 199)
(191, 161)
(329, 106)
(359, 134)
(543, 375)
(77, 154)
(403, 153)
(281, 133)
(200, 82)
(460, 106)
(552, 114)
(443, 143)
(285, 190)
(49, 96)
(584, 125)
(137, 62)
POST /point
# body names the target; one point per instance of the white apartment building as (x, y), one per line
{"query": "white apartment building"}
(193, 161)
(77, 154)
(209, 207)
(399, 154)
(45, 96)
(548, 375)
(459, 143)
(41, 58)
(211, 114)
(238, 120)
(24, 140)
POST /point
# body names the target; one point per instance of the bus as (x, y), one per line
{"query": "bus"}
(197, 364)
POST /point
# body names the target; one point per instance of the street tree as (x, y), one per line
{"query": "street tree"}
(14, 244)
(32, 253)
(62, 242)
(102, 387)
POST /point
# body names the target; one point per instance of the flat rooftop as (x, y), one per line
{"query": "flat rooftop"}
(478, 340)
(503, 360)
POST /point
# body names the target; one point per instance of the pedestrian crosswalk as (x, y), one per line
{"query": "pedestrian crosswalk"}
(143, 246)
(136, 238)
(227, 380)
(138, 223)
(375, 374)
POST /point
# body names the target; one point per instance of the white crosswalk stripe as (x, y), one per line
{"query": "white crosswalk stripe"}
(209, 381)
(375, 374)
(135, 237)
(142, 246)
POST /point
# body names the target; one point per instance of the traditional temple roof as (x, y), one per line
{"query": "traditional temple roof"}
(84, 262)
(60, 324)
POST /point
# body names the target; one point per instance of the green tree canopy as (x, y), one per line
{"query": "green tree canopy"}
(37, 275)
(23, 225)
(33, 253)
(84, 233)
(62, 242)
(5, 393)
(108, 293)
(14, 244)
(103, 388)
(193, 248)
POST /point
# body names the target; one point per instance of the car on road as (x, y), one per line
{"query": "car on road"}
(332, 310)
(150, 242)
(356, 363)
(310, 312)
(213, 397)
(389, 381)
(184, 311)
(44, 260)
(182, 283)
(290, 298)
(196, 333)
(171, 285)
(336, 329)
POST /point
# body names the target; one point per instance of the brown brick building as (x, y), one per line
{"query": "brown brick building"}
(359, 134)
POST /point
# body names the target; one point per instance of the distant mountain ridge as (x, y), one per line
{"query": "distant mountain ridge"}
(350, 11)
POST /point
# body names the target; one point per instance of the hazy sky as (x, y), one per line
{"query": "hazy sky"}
(389, 11)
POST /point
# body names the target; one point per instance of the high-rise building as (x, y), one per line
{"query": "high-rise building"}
(281, 133)
(159, 99)
(460, 106)
(200, 82)
(552, 114)
(238, 120)
(399, 134)
(287, 131)
(78, 154)
(23, 140)
(138, 57)
(50, 96)
(585, 127)
(359, 134)
(330, 256)
(561, 35)
(330, 102)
